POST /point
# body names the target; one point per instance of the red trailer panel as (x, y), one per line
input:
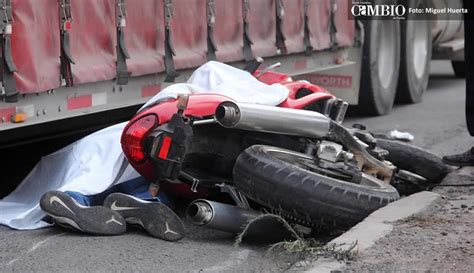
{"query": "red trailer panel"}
(36, 45)
(36, 37)
(228, 30)
(93, 40)
(319, 14)
(262, 27)
(293, 25)
(345, 28)
(189, 28)
(144, 37)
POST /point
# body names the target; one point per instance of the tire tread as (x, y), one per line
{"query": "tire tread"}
(302, 194)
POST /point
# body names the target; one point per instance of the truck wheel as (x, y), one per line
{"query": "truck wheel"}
(380, 66)
(415, 57)
(459, 68)
(290, 183)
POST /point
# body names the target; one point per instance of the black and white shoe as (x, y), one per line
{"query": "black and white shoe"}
(461, 160)
(155, 217)
(68, 213)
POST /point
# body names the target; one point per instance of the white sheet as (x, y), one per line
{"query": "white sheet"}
(216, 77)
(95, 163)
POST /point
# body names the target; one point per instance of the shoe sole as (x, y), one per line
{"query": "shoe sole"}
(155, 217)
(96, 220)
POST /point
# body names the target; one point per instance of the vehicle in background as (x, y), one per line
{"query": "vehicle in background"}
(397, 55)
(69, 65)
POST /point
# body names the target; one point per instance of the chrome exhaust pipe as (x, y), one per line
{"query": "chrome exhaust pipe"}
(231, 219)
(272, 119)
(302, 123)
(219, 216)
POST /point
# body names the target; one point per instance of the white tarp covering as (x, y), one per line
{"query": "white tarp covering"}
(95, 163)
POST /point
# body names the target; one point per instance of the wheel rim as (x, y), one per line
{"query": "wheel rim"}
(306, 162)
(420, 44)
(386, 52)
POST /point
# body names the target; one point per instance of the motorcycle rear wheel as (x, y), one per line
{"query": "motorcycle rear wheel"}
(286, 182)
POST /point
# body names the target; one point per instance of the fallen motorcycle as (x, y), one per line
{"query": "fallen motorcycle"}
(297, 159)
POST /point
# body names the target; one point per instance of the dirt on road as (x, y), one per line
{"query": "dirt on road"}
(440, 239)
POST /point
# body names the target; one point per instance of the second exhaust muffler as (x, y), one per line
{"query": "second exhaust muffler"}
(233, 219)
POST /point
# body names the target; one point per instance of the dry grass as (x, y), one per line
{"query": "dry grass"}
(300, 248)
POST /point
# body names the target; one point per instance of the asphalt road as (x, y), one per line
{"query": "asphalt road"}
(437, 123)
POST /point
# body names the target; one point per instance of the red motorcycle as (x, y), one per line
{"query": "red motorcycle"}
(296, 159)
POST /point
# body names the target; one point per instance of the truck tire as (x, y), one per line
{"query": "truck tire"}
(415, 57)
(415, 160)
(459, 68)
(284, 181)
(380, 67)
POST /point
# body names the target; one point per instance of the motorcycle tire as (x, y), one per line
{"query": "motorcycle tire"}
(276, 178)
(415, 160)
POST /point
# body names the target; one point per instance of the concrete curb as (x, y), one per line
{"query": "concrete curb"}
(376, 226)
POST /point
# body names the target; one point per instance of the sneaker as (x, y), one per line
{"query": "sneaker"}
(464, 159)
(155, 217)
(68, 213)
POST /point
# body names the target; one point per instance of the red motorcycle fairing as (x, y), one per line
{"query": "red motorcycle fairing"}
(271, 77)
(199, 105)
(316, 94)
(301, 94)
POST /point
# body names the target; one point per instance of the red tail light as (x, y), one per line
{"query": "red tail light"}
(133, 138)
(165, 147)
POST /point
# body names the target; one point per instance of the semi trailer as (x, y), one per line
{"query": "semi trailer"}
(74, 65)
